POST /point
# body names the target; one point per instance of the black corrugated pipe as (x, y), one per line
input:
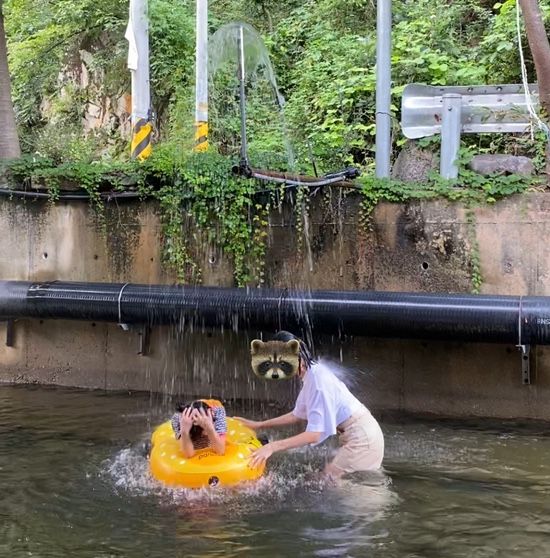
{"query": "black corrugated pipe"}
(500, 319)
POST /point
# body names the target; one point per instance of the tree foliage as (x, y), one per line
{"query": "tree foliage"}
(68, 62)
(323, 52)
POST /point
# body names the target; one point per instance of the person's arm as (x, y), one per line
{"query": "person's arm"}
(283, 420)
(261, 455)
(205, 419)
(186, 445)
(186, 422)
(216, 441)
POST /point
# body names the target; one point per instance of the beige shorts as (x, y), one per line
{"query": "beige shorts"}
(362, 444)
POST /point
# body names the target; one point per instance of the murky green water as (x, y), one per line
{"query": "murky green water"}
(74, 482)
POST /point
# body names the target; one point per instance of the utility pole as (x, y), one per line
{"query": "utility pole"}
(201, 77)
(137, 34)
(242, 98)
(383, 88)
(9, 140)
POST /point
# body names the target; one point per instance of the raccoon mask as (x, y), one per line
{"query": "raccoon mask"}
(275, 360)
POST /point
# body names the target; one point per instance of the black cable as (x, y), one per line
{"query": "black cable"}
(84, 196)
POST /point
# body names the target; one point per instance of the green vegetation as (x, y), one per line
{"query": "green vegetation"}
(199, 197)
(222, 208)
(68, 65)
(68, 60)
(471, 189)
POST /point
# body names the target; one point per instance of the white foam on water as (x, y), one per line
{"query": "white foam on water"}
(290, 476)
(291, 481)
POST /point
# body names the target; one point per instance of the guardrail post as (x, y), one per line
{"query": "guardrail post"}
(450, 135)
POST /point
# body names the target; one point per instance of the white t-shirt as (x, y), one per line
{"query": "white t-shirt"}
(324, 401)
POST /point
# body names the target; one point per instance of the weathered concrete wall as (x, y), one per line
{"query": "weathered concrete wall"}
(414, 247)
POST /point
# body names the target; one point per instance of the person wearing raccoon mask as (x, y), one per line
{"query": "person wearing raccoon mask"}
(328, 407)
(276, 360)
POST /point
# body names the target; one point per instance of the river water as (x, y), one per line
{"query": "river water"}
(74, 482)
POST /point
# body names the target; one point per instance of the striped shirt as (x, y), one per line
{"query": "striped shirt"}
(220, 426)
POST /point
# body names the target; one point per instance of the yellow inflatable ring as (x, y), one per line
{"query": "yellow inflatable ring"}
(205, 468)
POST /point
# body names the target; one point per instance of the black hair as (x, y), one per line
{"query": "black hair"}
(305, 352)
(197, 404)
(196, 431)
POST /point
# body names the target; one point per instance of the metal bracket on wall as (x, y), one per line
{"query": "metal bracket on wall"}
(144, 333)
(10, 333)
(525, 363)
(144, 340)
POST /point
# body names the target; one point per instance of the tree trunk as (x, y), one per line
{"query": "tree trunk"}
(540, 49)
(9, 140)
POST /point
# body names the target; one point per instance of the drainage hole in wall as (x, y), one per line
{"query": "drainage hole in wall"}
(425, 265)
(93, 324)
(152, 259)
(96, 256)
(45, 255)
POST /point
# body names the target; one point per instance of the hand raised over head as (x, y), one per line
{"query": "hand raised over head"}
(186, 420)
(203, 418)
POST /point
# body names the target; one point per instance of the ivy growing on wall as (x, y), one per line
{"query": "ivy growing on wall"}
(207, 203)
(471, 189)
(201, 202)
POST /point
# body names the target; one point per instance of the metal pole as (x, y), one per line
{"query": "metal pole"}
(383, 88)
(201, 77)
(450, 135)
(137, 34)
(242, 100)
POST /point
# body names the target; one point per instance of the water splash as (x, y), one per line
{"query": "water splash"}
(352, 377)
(128, 471)
(225, 49)
(292, 478)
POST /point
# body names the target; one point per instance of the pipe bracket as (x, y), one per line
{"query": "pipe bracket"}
(144, 340)
(525, 364)
(10, 333)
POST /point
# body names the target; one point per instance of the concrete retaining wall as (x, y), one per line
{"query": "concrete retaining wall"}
(424, 246)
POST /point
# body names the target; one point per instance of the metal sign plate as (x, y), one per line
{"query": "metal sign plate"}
(485, 108)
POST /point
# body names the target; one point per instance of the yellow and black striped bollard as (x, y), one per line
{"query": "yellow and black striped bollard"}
(201, 136)
(141, 139)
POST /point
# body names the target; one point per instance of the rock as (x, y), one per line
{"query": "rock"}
(502, 164)
(414, 164)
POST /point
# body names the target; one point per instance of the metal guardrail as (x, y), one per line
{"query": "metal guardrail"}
(452, 110)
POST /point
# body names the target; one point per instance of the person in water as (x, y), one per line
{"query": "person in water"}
(328, 408)
(200, 424)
